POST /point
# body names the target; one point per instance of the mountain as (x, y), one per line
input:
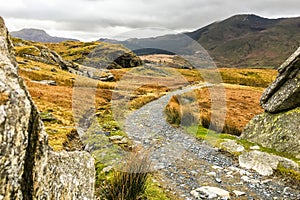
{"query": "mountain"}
(37, 35)
(239, 41)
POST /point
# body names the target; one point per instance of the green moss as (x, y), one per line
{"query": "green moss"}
(207, 135)
(154, 191)
(290, 175)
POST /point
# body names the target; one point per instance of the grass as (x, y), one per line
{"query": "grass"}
(237, 106)
(291, 176)
(129, 180)
(242, 76)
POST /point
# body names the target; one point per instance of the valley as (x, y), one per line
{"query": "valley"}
(164, 124)
(115, 108)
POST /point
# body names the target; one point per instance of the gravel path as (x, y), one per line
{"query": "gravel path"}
(186, 164)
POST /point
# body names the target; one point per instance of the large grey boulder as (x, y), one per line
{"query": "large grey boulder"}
(278, 131)
(29, 169)
(279, 126)
(284, 93)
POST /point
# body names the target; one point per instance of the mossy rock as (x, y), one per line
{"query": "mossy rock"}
(277, 131)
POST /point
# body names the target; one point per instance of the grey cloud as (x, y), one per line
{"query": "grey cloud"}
(95, 15)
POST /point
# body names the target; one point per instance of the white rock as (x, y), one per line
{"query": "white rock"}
(238, 193)
(217, 167)
(234, 169)
(214, 192)
(214, 174)
(262, 163)
(195, 194)
(218, 180)
(116, 137)
(255, 147)
(107, 169)
(245, 178)
(265, 163)
(232, 147)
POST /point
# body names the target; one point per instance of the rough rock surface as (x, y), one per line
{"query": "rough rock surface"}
(208, 192)
(278, 131)
(29, 169)
(264, 163)
(284, 93)
(43, 54)
(279, 126)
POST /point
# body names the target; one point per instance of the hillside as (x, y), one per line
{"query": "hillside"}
(239, 41)
(249, 40)
(37, 35)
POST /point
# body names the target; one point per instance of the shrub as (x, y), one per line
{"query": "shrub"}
(129, 181)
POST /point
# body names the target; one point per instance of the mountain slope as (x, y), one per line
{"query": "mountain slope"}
(37, 35)
(249, 40)
(239, 41)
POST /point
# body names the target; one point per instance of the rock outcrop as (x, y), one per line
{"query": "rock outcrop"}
(279, 126)
(284, 93)
(29, 168)
(40, 53)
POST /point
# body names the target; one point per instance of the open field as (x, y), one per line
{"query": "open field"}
(230, 105)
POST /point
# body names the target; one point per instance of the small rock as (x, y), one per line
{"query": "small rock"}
(195, 194)
(116, 137)
(266, 181)
(217, 167)
(238, 193)
(255, 147)
(107, 169)
(245, 178)
(210, 192)
(46, 82)
(232, 147)
(218, 180)
(214, 174)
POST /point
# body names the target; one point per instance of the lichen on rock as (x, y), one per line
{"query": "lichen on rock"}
(284, 93)
(278, 128)
(29, 169)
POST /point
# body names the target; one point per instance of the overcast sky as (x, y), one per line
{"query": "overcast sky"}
(94, 19)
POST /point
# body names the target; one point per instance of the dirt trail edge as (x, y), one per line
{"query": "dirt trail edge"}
(186, 164)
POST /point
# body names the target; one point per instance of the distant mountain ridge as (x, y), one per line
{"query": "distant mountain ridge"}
(38, 35)
(239, 41)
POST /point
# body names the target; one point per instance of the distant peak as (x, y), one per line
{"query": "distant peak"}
(33, 30)
(37, 35)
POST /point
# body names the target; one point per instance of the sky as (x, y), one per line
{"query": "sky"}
(89, 20)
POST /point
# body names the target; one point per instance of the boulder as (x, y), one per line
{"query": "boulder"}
(264, 163)
(284, 93)
(277, 131)
(29, 168)
(278, 128)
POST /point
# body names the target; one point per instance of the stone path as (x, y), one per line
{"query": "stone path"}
(186, 164)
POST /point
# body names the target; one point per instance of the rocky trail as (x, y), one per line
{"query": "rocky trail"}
(191, 169)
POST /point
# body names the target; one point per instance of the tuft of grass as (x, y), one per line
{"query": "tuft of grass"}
(291, 176)
(130, 180)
